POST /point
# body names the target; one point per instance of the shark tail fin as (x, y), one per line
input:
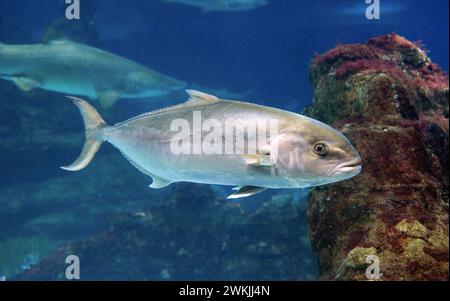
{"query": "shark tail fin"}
(93, 123)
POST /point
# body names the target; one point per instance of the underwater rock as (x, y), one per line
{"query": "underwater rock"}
(192, 235)
(391, 101)
(356, 258)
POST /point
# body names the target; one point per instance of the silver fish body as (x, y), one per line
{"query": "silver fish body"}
(286, 159)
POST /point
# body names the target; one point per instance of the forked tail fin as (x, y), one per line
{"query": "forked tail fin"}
(93, 122)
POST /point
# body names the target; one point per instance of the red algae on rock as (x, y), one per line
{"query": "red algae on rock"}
(391, 101)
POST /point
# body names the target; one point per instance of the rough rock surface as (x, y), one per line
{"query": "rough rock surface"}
(192, 236)
(392, 103)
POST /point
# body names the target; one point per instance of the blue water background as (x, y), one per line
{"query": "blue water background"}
(263, 53)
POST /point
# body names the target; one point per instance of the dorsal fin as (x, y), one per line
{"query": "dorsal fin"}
(200, 98)
(157, 183)
(196, 98)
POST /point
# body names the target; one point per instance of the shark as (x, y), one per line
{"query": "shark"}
(72, 68)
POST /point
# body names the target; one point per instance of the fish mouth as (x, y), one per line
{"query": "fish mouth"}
(349, 167)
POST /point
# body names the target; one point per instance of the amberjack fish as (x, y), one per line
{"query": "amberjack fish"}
(214, 141)
(72, 68)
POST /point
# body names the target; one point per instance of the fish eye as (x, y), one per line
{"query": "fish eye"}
(320, 149)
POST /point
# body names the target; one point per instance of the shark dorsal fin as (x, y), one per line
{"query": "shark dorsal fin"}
(200, 98)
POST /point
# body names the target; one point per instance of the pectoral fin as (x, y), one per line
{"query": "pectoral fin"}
(245, 191)
(25, 84)
(108, 98)
(257, 160)
(159, 182)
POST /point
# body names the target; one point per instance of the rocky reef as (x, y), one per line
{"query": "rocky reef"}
(391, 101)
(193, 235)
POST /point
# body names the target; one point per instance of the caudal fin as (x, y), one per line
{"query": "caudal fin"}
(93, 122)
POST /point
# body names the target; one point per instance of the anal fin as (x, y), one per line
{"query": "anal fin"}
(157, 183)
(245, 191)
